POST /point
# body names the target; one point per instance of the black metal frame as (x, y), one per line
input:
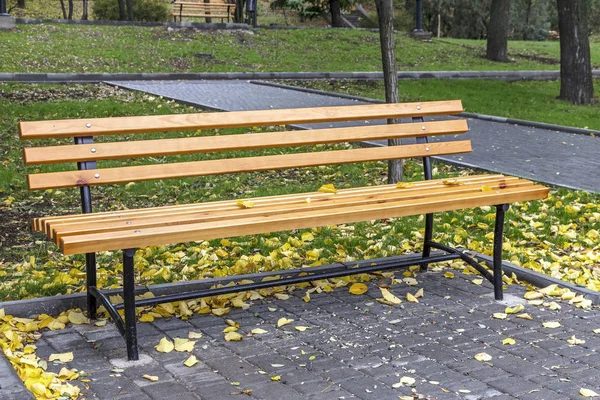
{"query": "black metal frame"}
(127, 326)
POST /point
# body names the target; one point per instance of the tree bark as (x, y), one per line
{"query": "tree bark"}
(64, 10)
(21, 4)
(336, 13)
(84, 15)
(122, 13)
(576, 84)
(70, 16)
(129, 10)
(497, 32)
(385, 15)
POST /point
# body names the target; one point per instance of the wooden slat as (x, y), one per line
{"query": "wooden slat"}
(236, 165)
(42, 224)
(208, 144)
(161, 123)
(298, 220)
(329, 202)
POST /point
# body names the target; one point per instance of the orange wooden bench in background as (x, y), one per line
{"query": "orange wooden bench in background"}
(128, 230)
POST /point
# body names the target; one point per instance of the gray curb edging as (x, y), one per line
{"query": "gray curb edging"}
(196, 25)
(52, 77)
(538, 279)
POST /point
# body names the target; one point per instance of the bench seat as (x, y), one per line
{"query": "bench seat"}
(204, 221)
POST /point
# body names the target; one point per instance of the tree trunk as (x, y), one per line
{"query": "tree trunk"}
(129, 10)
(122, 13)
(21, 4)
(336, 13)
(576, 84)
(84, 15)
(64, 10)
(497, 32)
(70, 16)
(385, 15)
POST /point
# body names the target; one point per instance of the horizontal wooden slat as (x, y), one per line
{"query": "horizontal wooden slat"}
(235, 165)
(294, 220)
(161, 123)
(268, 209)
(207, 144)
(42, 224)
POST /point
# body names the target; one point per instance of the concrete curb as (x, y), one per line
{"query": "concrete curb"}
(195, 25)
(52, 77)
(536, 278)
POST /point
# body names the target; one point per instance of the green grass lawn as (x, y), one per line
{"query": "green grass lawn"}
(557, 236)
(64, 48)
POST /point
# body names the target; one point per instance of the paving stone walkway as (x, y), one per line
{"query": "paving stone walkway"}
(356, 348)
(553, 157)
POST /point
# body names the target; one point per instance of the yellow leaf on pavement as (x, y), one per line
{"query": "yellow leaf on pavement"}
(284, 321)
(388, 296)
(276, 378)
(230, 329)
(62, 357)
(483, 357)
(358, 288)
(233, 337)
(151, 378)
(509, 341)
(194, 335)
(533, 295)
(575, 341)
(191, 361)
(499, 315)
(258, 331)
(551, 324)
(419, 293)
(184, 344)
(525, 316)
(301, 328)
(588, 393)
(164, 346)
(147, 318)
(77, 318)
(449, 275)
(411, 298)
(516, 309)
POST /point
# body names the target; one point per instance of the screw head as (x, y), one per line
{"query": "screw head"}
(137, 231)
(128, 223)
(93, 149)
(418, 107)
(88, 125)
(423, 128)
(97, 176)
(427, 149)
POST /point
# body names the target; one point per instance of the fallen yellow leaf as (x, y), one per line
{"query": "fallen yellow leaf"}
(404, 185)
(283, 321)
(551, 324)
(575, 341)
(194, 335)
(419, 293)
(388, 296)
(233, 337)
(258, 331)
(483, 357)
(411, 298)
(499, 315)
(485, 188)
(358, 288)
(62, 357)
(151, 378)
(533, 295)
(301, 328)
(449, 275)
(509, 341)
(230, 329)
(184, 345)
(525, 316)
(245, 203)
(77, 318)
(451, 182)
(164, 346)
(588, 393)
(329, 188)
(191, 361)
(516, 309)
(276, 378)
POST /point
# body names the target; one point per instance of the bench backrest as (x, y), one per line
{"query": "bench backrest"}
(87, 154)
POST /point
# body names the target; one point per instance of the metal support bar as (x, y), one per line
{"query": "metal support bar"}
(86, 208)
(285, 281)
(465, 257)
(428, 237)
(110, 308)
(497, 262)
(129, 304)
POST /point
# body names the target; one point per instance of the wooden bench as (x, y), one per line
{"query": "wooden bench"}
(89, 233)
(193, 9)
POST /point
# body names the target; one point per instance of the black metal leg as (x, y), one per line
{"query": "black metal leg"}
(90, 272)
(427, 240)
(498, 234)
(129, 304)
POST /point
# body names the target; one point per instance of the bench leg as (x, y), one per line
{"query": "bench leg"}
(498, 235)
(427, 240)
(129, 304)
(91, 281)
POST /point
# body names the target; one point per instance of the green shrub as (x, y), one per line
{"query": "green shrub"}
(143, 10)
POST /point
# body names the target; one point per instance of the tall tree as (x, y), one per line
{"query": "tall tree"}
(336, 13)
(122, 13)
(21, 4)
(497, 32)
(385, 15)
(129, 10)
(70, 15)
(576, 84)
(84, 15)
